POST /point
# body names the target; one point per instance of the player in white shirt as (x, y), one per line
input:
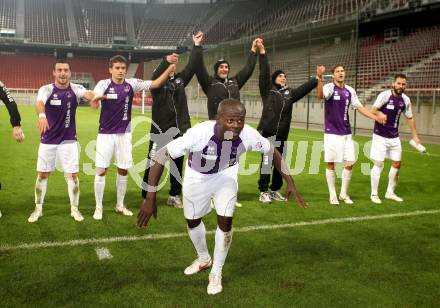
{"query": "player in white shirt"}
(214, 149)
(386, 142)
(338, 141)
(56, 109)
(114, 136)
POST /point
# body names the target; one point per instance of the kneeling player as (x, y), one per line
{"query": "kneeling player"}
(386, 142)
(214, 149)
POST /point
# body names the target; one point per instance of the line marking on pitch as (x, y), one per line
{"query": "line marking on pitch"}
(103, 253)
(94, 241)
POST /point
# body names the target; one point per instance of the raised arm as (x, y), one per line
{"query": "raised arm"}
(158, 82)
(163, 65)
(282, 168)
(320, 70)
(201, 72)
(188, 72)
(248, 69)
(264, 81)
(149, 207)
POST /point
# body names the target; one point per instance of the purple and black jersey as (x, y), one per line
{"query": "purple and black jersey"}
(60, 109)
(392, 106)
(336, 104)
(116, 109)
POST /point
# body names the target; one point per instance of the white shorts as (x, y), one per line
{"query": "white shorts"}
(64, 156)
(198, 190)
(117, 144)
(382, 148)
(339, 148)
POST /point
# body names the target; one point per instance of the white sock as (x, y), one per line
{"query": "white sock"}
(375, 178)
(392, 179)
(331, 178)
(346, 177)
(73, 190)
(198, 238)
(222, 243)
(121, 189)
(99, 190)
(40, 192)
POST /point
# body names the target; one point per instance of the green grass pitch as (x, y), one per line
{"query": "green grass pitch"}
(316, 261)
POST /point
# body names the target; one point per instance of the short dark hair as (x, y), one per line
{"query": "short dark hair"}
(62, 61)
(117, 59)
(400, 75)
(336, 66)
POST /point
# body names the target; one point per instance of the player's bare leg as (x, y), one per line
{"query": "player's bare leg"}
(197, 234)
(121, 190)
(99, 185)
(40, 193)
(346, 178)
(393, 177)
(72, 181)
(331, 179)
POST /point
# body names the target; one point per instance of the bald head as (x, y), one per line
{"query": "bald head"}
(230, 105)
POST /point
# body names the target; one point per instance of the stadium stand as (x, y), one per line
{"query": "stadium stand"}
(46, 22)
(99, 23)
(7, 14)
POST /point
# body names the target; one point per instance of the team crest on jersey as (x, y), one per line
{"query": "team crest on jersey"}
(178, 81)
(286, 92)
(126, 89)
(69, 95)
(55, 96)
(258, 145)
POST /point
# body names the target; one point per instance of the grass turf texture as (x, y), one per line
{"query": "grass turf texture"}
(386, 262)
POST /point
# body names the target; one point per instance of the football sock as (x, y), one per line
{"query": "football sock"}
(375, 177)
(121, 189)
(99, 189)
(73, 190)
(40, 192)
(392, 179)
(346, 177)
(330, 175)
(222, 243)
(198, 238)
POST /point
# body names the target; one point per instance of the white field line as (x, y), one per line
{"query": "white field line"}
(93, 241)
(103, 253)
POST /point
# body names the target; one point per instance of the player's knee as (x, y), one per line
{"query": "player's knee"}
(331, 166)
(192, 223)
(43, 175)
(396, 164)
(224, 223)
(349, 165)
(122, 172)
(101, 171)
(378, 163)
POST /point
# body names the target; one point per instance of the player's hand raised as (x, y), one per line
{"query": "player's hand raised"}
(43, 125)
(198, 38)
(320, 70)
(147, 210)
(173, 58)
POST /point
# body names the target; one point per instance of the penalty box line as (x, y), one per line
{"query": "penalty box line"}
(93, 241)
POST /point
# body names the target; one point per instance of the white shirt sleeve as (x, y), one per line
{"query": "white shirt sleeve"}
(355, 102)
(101, 86)
(79, 90)
(187, 143)
(139, 85)
(253, 141)
(328, 90)
(408, 110)
(382, 99)
(44, 93)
